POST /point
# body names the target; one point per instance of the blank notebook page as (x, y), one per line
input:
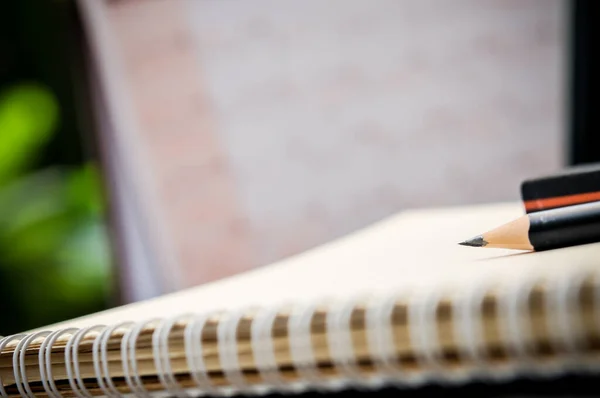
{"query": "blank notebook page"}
(409, 251)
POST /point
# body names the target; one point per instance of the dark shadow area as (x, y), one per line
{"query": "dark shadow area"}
(568, 386)
(584, 65)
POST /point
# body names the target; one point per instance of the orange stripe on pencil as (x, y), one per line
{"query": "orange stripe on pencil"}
(561, 201)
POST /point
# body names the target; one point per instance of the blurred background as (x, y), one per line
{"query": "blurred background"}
(55, 258)
(151, 146)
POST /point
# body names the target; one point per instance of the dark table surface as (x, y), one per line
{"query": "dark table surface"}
(568, 386)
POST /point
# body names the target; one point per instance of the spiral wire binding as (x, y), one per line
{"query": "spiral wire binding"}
(72, 361)
(100, 359)
(568, 329)
(45, 368)
(469, 330)
(193, 343)
(517, 334)
(264, 353)
(19, 364)
(300, 340)
(128, 358)
(561, 299)
(423, 333)
(339, 339)
(595, 366)
(162, 362)
(226, 335)
(380, 339)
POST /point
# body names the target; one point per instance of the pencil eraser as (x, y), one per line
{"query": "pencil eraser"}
(574, 185)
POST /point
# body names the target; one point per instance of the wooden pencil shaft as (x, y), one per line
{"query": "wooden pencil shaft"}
(493, 345)
(513, 235)
(544, 230)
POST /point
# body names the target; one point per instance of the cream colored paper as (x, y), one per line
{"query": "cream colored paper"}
(412, 250)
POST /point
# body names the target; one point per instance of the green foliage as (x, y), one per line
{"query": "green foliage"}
(28, 117)
(54, 254)
(54, 245)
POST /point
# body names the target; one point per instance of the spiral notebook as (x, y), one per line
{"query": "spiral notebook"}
(398, 303)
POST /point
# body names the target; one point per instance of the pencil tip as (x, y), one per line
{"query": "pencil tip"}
(477, 241)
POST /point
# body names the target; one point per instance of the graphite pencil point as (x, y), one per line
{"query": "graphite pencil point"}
(477, 241)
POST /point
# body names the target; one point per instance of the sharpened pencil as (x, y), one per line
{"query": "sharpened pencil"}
(545, 230)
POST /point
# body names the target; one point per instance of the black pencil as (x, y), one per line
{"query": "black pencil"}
(545, 230)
